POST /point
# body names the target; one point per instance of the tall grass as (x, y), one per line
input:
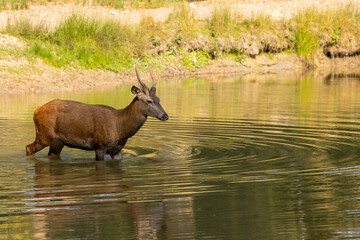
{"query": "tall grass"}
(262, 21)
(85, 42)
(94, 43)
(14, 4)
(221, 20)
(224, 21)
(306, 33)
(315, 29)
(153, 28)
(184, 21)
(25, 28)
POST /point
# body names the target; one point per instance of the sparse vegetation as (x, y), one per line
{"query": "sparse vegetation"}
(222, 21)
(87, 42)
(14, 4)
(117, 4)
(184, 21)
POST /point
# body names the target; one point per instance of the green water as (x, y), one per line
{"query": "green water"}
(238, 159)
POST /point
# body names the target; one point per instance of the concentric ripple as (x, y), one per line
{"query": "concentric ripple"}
(232, 146)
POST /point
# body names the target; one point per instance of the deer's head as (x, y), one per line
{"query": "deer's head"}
(150, 103)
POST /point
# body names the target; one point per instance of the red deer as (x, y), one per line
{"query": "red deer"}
(104, 129)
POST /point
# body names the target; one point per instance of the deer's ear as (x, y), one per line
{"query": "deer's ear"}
(135, 90)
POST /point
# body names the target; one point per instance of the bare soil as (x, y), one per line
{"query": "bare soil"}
(19, 75)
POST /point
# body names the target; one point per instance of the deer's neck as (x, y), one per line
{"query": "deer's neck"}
(131, 119)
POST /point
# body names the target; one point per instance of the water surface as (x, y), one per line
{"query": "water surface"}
(238, 159)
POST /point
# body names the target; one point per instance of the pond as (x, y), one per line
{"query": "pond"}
(240, 158)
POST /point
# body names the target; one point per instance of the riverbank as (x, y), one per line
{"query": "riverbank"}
(83, 51)
(20, 76)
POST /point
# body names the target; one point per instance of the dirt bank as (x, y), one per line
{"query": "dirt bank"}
(18, 75)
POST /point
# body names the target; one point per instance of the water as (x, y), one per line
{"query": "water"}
(238, 159)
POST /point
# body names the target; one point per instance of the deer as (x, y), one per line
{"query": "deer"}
(100, 128)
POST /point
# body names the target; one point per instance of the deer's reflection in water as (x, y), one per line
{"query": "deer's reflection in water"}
(98, 198)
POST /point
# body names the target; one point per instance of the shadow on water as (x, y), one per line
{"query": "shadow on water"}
(241, 158)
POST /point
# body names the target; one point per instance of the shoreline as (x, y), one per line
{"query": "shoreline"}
(41, 78)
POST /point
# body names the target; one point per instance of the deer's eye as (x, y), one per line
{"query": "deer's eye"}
(149, 101)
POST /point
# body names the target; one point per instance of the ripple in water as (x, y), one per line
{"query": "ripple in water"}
(236, 160)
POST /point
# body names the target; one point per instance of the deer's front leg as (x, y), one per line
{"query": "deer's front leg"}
(100, 154)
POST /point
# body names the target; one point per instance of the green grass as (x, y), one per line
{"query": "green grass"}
(88, 42)
(306, 36)
(314, 29)
(195, 59)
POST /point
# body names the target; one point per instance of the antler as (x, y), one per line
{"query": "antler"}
(153, 88)
(152, 76)
(142, 85)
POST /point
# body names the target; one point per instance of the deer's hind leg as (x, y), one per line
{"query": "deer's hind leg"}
(56, 147)
(42, 139)
(117, 156)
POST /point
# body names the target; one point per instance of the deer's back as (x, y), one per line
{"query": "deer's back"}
(74, 122)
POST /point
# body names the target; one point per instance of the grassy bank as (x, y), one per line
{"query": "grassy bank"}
(184, 41)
